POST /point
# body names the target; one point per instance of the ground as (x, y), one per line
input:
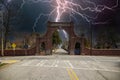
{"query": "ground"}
(61, 67)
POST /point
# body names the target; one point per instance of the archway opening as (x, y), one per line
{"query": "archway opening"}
(42, 48)
(77, 50)
(60, 42)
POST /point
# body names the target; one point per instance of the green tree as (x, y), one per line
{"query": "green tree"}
(56, 40)
(87, 43)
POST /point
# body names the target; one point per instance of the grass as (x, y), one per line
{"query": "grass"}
(2, 64)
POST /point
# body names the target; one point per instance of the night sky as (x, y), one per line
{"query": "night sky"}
(30, 11)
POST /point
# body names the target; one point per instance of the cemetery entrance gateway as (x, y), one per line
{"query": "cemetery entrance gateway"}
(51, 28)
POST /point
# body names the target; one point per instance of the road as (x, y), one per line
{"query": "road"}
(62, 67)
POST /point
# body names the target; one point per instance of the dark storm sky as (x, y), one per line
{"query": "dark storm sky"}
(30, 11)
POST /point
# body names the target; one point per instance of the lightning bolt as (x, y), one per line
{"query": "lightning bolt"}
(23, 3)
(64, 5)
(70, 7)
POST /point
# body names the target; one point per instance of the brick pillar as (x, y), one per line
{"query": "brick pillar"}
(72, 39)
(82, 46)
(37, 46)
(72, 45)
(48, 47)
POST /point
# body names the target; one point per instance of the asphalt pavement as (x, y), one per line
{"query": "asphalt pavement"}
(61, 67)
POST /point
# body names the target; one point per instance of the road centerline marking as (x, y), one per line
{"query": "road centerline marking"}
(72, 74)
(75, 75)
(70, 64)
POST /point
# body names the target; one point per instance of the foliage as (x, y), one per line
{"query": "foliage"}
(87, 43)
(56, 40)
(107, 39)
(2, 64)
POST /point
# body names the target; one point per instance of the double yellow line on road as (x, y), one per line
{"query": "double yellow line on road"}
(72, 74)
(10, 61)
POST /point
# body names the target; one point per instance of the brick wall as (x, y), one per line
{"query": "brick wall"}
(21, 52)
(112, 52)
(86, 51)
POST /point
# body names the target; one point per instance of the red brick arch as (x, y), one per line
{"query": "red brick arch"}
(51, 28)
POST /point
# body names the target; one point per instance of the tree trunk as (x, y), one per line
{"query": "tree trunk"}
(6, 28)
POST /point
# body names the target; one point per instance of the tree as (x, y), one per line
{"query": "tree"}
(107, 38)
(101, 40)
(87, 43)
(56, 40)
(8, 17)
(113, 37)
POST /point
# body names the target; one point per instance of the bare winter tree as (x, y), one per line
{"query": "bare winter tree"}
(10, 12)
